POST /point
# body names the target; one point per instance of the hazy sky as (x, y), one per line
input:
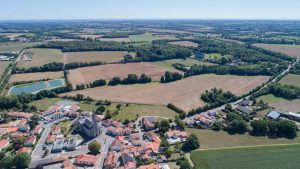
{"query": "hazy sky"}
(139, 9)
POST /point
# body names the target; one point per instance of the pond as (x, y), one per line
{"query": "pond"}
(36, 86)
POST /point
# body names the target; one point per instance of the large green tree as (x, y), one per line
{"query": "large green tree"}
(94, 147)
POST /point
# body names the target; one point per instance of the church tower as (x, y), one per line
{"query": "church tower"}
(95, 123)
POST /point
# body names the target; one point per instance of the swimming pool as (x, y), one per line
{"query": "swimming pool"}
(36, 86)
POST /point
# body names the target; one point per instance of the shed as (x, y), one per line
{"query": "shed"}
(273, 115)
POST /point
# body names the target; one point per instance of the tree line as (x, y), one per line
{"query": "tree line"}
(218, 97)
(130, 79)
(170, 77)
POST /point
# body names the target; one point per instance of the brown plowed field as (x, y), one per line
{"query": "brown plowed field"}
(89, 74)
(184, 43)
(288, 50)
(35, 76)
(184, 93)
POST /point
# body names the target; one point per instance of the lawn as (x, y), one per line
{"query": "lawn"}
(3, 66)
(41, 57)
(267, 157)
(65, 126)
(132, 111)
(44, 103)
(219, 139)
(16, 47)
(291, 79)
(280, 103)
(290, 46)
(148, 37)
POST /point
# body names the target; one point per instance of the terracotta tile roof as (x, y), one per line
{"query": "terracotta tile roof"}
(18, 134)
(111, 159)
(51, 138)
(24, 150)
(3, 144)
(90, 159)
(56, 129)
(176, 134)
(150, 166)
(20, 114)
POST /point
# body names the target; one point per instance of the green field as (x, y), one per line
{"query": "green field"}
(44, 103)
(148, 37)
(3, 66)
(212, 139)
(291, 79)
(280, 103)
(132, 111)
(266, 157)
(291, 46)
(41, 57)
(187, 62)
(16, 47)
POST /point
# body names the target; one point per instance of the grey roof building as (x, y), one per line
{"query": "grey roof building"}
(88, 126)
(273, 115)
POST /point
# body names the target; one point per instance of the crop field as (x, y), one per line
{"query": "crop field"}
(280, 103)
(165, 30)
(3, 66)
(186, 62)
(184, 43)
(90, 36)
(115, 39)
(210, 139)
(89, 74)
(148, 37)
(291, 79)
(41, 57)
(104, 56)
(35, 76)
(291, 50)
(267, 157)
(16, 47)
(183, 93)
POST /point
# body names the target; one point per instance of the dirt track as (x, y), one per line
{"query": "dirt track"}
(184, 93)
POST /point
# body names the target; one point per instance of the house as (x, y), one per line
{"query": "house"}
(148, 125)
(244, 110)
(51, 110)
(150, 166)
(273, 115)
(48, 161)
(116, 145)
(18, 134)
(152, 136)
(56, 130)
(3, 144)
(118, 131)
(127, 160)
(86, 160)
(72, 143)
(30, 141)
(204, 121)
(24, 150)
(68, 165)
(37, 130)
(87, 126)
(53, 117)
(111, 161)
(176, 134)
(51, 139)
(20, 115)
(58, 144)
(245, 102)
(74, 107)
(134, 136)
(111, 122)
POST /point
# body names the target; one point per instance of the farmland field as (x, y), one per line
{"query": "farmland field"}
(183, 93)
(89, 74)
(35, 76)
(115, 39)
(90, 36)
(3, 66)
(148, 37)
(210, 139)
(280, 103)
(41, 57)
(104, 56)
(16, 47)
(267, 157)
(291, 79)
(184, 43)
(44, 103)
(291, 50)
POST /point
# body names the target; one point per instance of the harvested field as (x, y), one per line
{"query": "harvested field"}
(89, 74)
(103, 56)
(41, 57)
(3, 66)
(280, 103)
(16, 47)
(184, 43)
(291, 79)
(184, 93)
(90, 36)
(149, 37)
(35, 76)
(115, 39)
(285, 49)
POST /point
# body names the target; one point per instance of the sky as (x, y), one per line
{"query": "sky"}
(148, 9)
